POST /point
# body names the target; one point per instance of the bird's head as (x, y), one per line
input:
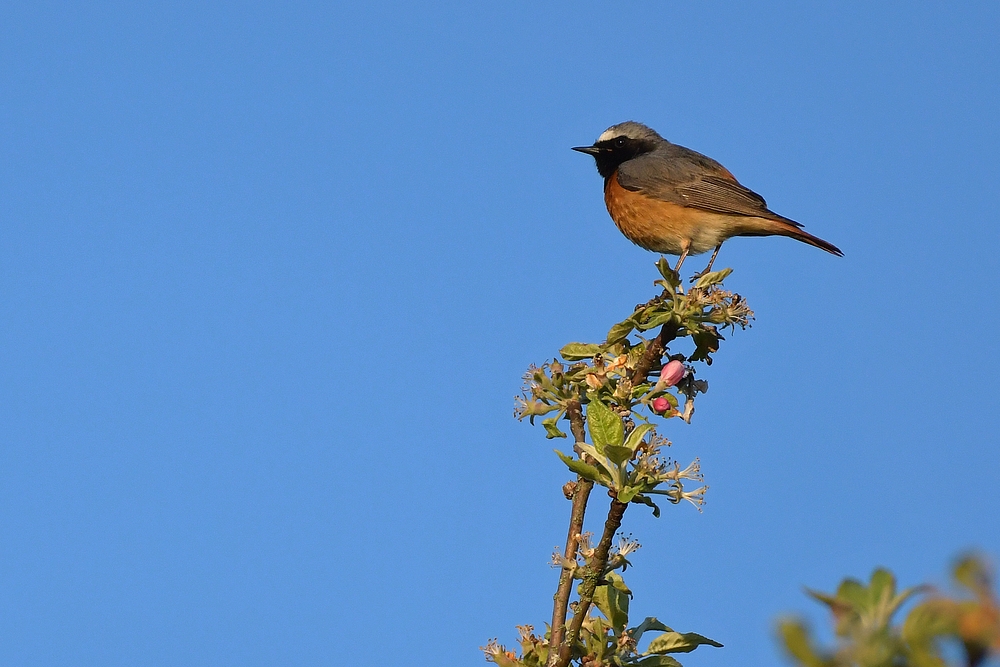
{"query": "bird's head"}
(619, 143)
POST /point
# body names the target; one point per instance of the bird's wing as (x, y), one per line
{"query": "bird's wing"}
(691, 179)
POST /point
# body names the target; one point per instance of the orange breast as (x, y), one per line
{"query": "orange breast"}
(662, 226)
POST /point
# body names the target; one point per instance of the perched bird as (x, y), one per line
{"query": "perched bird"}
(672, 200)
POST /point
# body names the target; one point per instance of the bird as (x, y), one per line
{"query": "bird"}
(670, 199)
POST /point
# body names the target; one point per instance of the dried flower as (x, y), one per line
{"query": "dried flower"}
(492, 649)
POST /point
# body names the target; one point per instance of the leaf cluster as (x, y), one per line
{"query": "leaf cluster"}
(697, 314)
(867, 637)
(606, 638)
(630, 466)
(612, 371)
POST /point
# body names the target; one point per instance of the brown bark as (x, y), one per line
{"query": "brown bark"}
(580, 497)
(595, 572)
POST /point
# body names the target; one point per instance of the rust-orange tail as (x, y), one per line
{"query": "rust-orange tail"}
(792, 229)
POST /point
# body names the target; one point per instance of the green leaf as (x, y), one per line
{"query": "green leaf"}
(853, 592)
(713, 278)
(582, 469)
(636, 436)
(605, 426)
(504, 661)
(617, 454)
(613, 603)
(640, 390)
(971, 573)
(797, 643)
(669, 275)
(677, 642)
(656, 320)
(646, 500)
(657, 661)
(617, 582)
(628, 493)
(551, 430)
(650, 623)
(613, 474)
(882, 585)
(620, 332)
(576, 351)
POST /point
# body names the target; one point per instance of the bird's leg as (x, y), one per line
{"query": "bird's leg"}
(710, 263)
(680, 260)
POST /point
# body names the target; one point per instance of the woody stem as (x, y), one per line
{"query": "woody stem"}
(581, 495)
(594, 575)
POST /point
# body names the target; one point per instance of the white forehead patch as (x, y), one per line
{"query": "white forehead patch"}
(609, 133)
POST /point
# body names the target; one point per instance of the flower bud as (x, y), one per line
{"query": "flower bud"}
(660, 405)
(672, 373)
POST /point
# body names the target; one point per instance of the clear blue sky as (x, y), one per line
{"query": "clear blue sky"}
(270, 274)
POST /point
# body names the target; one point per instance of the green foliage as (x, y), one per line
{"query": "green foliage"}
(607, 390)
(606, 638)
(607, 372)
(866, 636)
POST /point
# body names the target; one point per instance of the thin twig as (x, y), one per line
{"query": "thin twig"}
(581, 495)
(595, 572)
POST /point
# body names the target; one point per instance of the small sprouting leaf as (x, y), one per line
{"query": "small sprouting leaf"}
(657, 661)
(612, 475)
(640, 390)
(605, 426)
(628, 493)
(582, 469)
(882, 585)
(503, 660)
(677, 642)
(971, 573)
(640, 499)
(669, 275)
(798, 644)
(618, 454)
(617, 582)
(650, 623)
(854, 592)
(828, 600)
(620, 332)
(576, 351)
(636, 436)
(656, 320)
(713, 278)
(551, 430)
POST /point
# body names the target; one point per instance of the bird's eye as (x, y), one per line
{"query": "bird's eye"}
(620, 141)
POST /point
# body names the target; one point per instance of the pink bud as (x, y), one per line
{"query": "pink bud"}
(661, 405)
(672, 373)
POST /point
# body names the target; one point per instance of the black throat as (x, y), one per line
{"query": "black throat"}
(612, 152)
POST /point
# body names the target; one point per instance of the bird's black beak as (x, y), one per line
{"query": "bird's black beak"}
(589, 150)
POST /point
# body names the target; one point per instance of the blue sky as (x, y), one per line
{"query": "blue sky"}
(270, 274)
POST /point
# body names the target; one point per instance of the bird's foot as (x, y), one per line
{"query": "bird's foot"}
(698, 275)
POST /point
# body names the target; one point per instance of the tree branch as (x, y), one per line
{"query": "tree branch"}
(595, 572)
(654, 352)
(581, 495)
